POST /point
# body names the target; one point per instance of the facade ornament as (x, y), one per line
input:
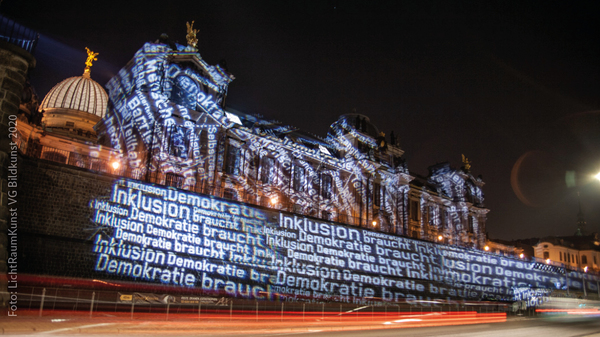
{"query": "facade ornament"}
(466, 162)
(191, 35)
(91, 56)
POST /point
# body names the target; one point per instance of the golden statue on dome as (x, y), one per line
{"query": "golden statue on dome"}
(191, 35)
(91, 56)
(467, 163)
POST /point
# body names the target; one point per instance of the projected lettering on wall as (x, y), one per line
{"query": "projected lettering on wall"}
(157, 105)
(163, 235)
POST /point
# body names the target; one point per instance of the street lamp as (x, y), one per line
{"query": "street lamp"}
(597, 176)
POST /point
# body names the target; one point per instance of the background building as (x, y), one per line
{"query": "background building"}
(579, 252)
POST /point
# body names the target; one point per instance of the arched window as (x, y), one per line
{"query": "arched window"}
(583, 259)
(546, 255)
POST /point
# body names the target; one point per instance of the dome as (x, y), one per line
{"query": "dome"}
(77, 93)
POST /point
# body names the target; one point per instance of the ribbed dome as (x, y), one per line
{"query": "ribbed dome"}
(77, 93)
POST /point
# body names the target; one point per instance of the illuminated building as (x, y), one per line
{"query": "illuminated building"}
(61, 129)
(166, 117)
(180, 195)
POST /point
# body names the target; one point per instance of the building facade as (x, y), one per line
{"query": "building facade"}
(167, 117)
(579, 252)
(167, 123)
(172, 192)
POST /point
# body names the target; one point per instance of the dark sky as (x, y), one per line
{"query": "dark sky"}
(514, 85)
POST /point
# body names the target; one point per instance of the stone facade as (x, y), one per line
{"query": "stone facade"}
(14, 65)
(167, 116)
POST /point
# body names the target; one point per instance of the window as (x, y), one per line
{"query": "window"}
(414, 210)
(229, 193)
(471, 224)
(178, 142)
(233, 161)
(376, 195)
(357, 212)
(326, 186)
(299, 179)
(546, 255)
(583, 259)
(443, 217)
(185, 91)
(560, 255)
(267, 170)
(204, 144)
(174, 180)
(70, 124)
(595, 262)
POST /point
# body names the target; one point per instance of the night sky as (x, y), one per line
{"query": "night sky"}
(515, 86)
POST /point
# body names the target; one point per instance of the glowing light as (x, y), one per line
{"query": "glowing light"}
(585, 269)
(374, 223)
(324, 150)
(440, 238)
(521, 255)
(115, 165)
(233, 118)
(486, 248)
(274, 200)
(597, 176)
(547, 261)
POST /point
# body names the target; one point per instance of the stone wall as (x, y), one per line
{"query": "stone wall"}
(55, 238)
(14, 65)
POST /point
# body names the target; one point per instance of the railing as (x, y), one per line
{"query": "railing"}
(63, 301)
(18, 35)
(76, 159)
